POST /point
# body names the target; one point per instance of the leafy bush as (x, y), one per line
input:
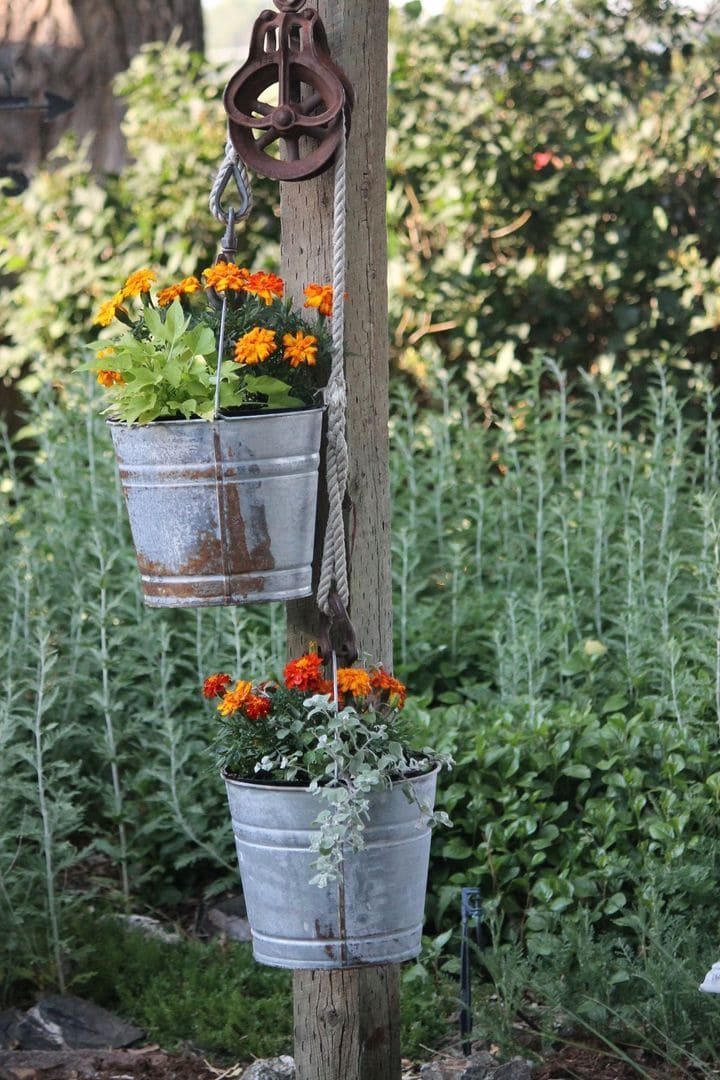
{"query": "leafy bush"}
(97, 230)
(558, 578)
(553, 181)
(568, 811)
(553, 177)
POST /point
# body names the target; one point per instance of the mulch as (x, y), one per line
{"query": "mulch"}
(151, 1063)
(593, 1063)
(147, 1063)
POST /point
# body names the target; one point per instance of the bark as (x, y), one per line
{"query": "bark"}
(344, 1024)
(74, 48)
(347, 1023)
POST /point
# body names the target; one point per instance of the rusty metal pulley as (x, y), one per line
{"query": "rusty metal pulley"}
(295, 138)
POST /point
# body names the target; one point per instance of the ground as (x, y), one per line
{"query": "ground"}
(151, 1063)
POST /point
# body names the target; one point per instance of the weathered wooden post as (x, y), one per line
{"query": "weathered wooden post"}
(347, 1022)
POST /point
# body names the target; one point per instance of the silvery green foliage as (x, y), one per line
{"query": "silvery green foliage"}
(350, 757)
(104, 768)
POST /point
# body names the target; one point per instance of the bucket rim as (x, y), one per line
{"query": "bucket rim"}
(216, 420)
(278, 785)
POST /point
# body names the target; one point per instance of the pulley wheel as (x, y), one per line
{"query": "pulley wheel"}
(296, 138)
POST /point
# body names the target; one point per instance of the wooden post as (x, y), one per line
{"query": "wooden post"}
(347, 1023)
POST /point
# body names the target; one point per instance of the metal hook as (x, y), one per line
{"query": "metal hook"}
(231, 170)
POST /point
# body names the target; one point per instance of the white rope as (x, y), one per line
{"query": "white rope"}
(232, 166)
(333, 567)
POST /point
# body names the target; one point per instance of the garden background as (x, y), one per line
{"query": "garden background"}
(555, 326)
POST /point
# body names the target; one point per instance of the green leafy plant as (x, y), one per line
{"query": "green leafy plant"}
(343, 742)
(165, 365)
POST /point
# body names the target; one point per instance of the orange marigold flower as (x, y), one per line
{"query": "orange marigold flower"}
(355, 681)
(266, 286)
(235, 699)
(109, 378)
(109, 309)
(380, 680)
(255, 346)
(225, 275)
(300, 349)
(320, 297)
(304, 674)
(185, 287)
(102, 353)
(139, 282)
(256, 707)
(214, 685)
(325, 686)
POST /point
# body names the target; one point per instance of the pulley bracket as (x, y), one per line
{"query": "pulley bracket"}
(289, 60)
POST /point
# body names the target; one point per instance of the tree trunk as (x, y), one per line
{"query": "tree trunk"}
(74, 48)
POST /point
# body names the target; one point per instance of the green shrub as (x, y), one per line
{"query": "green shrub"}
(604, 257)
(568, 812)
(97, 230)
(601, 252)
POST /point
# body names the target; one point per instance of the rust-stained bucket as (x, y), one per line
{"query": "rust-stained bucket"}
(372, 915)
(222, 511)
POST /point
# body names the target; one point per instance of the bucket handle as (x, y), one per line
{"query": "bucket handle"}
(229, 248)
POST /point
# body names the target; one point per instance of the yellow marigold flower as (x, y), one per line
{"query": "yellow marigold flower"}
(109, 309)
(355, 681)
(300, 349)
(266, 286)
(185, 287)
(320, 297)
(139, 282)
(255, 346)
(226, 275)
(235, 699)
(102, 353)
(109, 378)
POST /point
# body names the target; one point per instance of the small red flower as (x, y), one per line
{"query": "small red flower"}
(214, 685)
(256, 707)
(541, 159)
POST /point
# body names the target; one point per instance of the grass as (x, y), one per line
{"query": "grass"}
(215, 999)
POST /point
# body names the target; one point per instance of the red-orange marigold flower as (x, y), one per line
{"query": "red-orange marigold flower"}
(109, 378)
(235, 699)
(256, 707)
(320, 297)
(304, 674)
(355, 681)
(380, 680)
(226, 275)
(266, 286)
(215, 685)
(185, 287)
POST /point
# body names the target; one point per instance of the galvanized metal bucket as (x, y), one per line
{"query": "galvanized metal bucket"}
(222, 511)
(372, 915)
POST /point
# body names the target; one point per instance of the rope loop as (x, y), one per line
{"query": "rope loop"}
(333, 567)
